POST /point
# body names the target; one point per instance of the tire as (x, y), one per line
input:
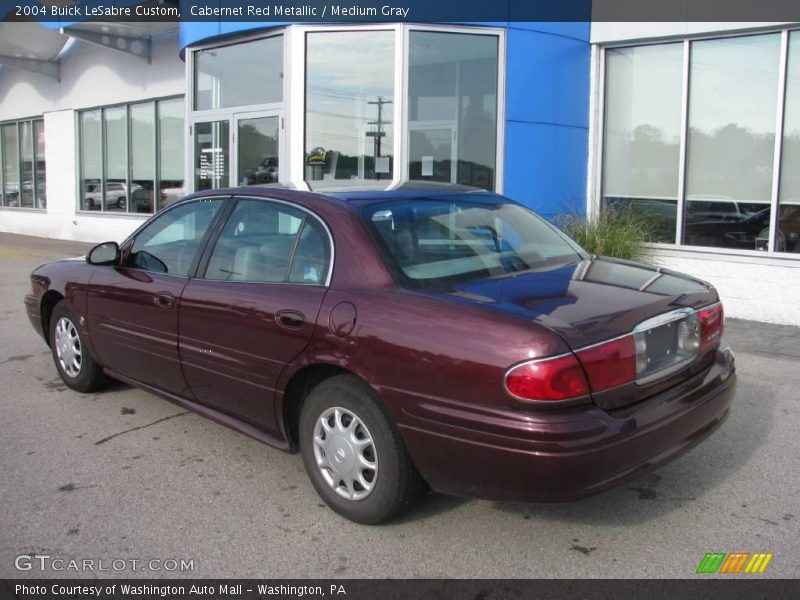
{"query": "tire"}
(74, 363)
(393, 483)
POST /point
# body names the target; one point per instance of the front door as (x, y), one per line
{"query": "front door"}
(257, 147)
(133, 308)
(243, 148)
(253, 307)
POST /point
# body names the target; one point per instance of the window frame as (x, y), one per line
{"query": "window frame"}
(192, 116)
(129, 153)
(33, 120)
(293, 105)
(233, 201)
(597, 145)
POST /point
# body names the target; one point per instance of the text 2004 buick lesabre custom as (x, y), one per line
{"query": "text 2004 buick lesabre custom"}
(399, 339)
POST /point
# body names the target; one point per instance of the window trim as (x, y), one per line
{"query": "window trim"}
(595, 192)
(155, 101)
(202, 266)
(500, 34)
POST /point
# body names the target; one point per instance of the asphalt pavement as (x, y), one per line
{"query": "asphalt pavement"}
(125, 476)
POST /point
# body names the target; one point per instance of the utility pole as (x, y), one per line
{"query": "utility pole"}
(379, 132)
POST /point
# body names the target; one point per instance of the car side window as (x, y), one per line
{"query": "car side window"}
(311, 256)
(170, 242)
(260, 241)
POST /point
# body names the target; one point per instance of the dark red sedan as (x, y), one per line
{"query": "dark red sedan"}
(399, 339)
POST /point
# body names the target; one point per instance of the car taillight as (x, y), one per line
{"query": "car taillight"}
(610, 364)
(547, 379)
(656, 348)
(711, 325)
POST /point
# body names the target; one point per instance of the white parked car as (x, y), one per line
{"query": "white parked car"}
(116, 195)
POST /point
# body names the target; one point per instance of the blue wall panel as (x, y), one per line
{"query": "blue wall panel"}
(545, 167)
(547, 116)
(547, 79)
(578, 31)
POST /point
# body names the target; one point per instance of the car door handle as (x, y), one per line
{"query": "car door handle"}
(164, 300)
(290, 319)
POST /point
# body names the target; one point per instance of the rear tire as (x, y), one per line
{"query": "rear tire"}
(74, 363)
(353, 453)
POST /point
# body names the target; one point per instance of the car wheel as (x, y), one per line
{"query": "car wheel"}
(74, 362)
(90, 204)
(120, 202)
(353, 452)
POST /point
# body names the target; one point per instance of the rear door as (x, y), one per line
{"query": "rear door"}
(253, 306)
(133, 308)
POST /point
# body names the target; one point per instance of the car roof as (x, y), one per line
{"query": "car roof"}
(375, 196)
(356, 198)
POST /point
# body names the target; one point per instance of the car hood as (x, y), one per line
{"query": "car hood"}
(587, 301)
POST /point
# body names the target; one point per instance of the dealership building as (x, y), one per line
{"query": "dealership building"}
(696, 125)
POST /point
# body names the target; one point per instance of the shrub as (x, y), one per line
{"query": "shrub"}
(617, 232)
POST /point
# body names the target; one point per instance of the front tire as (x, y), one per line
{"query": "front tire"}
(74, 362)
(353, 452)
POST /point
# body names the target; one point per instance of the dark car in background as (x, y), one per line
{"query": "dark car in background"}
(399, 340)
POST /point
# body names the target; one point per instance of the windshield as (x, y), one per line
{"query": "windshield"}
(437, 242)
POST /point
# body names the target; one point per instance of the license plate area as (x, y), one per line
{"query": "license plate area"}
(666, 346)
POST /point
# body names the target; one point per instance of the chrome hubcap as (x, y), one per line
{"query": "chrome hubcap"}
(345, 453)
(68, 347)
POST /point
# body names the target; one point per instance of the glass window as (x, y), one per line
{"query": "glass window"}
(11, 189)
(642, 129)
(26, 162)
(257, 150)
(171, 241)
(240, 74)
(116, 158)
(349, 106)
(91, 160)
(41, 165)
(435, 242)
(312, 255)
(211, 148)
(452, 108)
(143, 160)
(258, 242)
(129, 152)
(788, 238)
(731, 141)
(171, 150)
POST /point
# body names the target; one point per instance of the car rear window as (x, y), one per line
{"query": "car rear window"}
(433, 242)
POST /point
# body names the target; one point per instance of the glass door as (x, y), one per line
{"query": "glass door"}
(211, 154)
(257, 147)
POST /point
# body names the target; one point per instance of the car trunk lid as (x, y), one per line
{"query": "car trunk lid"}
(589, 302)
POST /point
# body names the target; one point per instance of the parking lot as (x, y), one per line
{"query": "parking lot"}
(126, 475)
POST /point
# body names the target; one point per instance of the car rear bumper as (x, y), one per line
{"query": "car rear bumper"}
(561, 455)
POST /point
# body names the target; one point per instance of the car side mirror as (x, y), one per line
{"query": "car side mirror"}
(106, 253)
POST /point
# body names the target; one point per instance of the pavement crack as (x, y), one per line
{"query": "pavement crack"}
(17, 358)
(156, 422)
